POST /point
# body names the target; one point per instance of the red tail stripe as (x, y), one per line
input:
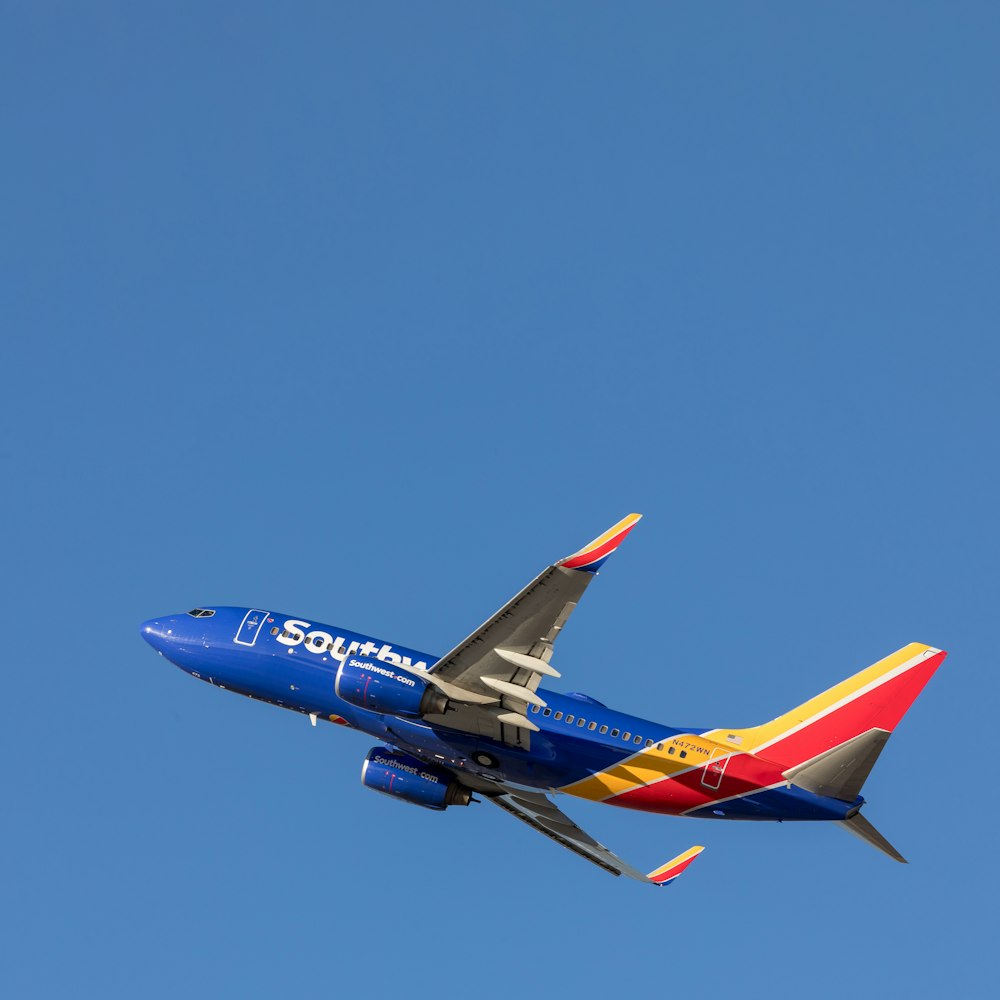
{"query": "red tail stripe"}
(880, 708)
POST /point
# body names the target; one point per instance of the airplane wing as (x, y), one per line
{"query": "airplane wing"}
(539, 812)
(491, 677)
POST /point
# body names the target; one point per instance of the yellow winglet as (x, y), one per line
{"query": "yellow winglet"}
(665, 874)
(591, 557)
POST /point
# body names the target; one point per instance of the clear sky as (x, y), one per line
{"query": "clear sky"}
(367, 312)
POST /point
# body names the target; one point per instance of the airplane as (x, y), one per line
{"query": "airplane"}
(476, 721)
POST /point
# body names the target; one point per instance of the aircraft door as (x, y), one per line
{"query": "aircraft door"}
(250, 628)
(715, 768)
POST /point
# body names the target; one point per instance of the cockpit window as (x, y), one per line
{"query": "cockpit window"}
(200, 613)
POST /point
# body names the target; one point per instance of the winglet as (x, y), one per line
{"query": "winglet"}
(666, 874)
(591, 557)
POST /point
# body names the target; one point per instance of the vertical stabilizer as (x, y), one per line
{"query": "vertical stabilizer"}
(874, 699)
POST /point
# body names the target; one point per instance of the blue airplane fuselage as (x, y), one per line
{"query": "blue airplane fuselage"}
(293, 662)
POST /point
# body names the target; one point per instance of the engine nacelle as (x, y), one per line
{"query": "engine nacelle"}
(383, 687)
(412, 780)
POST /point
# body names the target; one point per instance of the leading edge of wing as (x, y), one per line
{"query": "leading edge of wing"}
(592, 556)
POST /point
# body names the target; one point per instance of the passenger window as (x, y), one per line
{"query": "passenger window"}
(604, 729)
(547, 711)
(342, 651)
(684, 753)
(638, 739)
(557, 716)
(274, 631)
(670, 749)
(649, 743)
(659, 746)
(569, 720)
(615, 732)
(626, 737)
(592, 726)
(581, 722)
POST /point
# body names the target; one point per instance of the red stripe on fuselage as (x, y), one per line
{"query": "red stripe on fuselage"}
(881, 708)
(744, 774)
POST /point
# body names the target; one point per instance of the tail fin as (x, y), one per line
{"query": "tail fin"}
(832, 741)
(860, 827)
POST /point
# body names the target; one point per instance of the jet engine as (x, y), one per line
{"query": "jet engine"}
(412, 780)
(382, 687)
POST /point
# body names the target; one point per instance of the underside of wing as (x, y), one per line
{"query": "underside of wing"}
(490, 678)
(502, 663)
(539, 812)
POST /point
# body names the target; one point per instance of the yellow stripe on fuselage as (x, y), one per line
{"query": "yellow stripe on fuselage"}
(652, 764)
(645, 767)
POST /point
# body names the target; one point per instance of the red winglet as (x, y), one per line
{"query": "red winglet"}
(665, 874)
(590, 557)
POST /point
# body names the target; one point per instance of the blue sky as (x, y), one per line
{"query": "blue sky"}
(369, 312)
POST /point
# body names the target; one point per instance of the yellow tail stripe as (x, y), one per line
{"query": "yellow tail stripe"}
(750, 739)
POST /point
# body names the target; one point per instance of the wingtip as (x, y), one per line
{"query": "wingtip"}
(592, 556)
(666, 874)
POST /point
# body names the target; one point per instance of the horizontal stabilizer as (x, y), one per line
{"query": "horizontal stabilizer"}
(842, 771)
(860, 827)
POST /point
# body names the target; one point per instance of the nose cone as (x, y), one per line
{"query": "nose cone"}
(156, 632)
